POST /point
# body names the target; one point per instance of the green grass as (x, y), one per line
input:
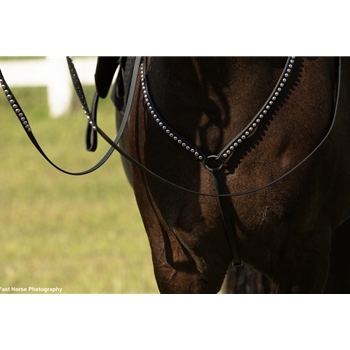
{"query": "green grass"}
(83, 234)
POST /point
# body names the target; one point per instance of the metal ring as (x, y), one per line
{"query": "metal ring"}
(216, 164)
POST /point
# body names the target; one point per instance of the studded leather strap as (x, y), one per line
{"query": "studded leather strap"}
(92, 120)
(25, 123)
(237, 141)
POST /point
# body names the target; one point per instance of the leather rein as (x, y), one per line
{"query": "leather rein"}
(212, 162)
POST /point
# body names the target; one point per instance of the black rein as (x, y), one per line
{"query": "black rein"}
(114, 144)
(93, 129)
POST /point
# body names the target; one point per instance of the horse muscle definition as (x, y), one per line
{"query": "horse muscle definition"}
(271, 136)
(285, 230)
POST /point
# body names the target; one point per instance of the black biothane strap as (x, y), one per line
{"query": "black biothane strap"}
(79, 90)
(157, 177)
(92, 143)
(25, 123)
(226, 218)
(114, 144)
(91, 133)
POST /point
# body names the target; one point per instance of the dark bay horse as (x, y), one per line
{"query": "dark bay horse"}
(249, 159)
(284, 230)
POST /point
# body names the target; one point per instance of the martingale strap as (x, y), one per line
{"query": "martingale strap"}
(225, 211)
(236, 194)
(215, 160)
(218, 160)
(114, 144)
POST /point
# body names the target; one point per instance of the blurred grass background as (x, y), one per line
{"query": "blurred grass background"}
(83, 234)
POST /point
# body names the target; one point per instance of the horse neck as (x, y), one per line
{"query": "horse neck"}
(211, 98)
(230, 74)
(194, 68)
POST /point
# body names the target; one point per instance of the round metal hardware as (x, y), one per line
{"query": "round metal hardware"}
(211, 163)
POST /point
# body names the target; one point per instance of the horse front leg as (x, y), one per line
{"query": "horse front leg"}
(187, 257)
(180, 269)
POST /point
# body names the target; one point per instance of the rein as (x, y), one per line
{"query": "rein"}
(212, 162)
(114, 144)
(92, 117)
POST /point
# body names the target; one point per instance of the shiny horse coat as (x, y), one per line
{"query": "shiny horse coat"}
(285, 230)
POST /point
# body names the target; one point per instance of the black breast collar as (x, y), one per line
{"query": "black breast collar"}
(114, 144)
(236, 142)
(212, 162)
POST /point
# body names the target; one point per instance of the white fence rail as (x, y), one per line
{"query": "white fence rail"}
(52, 73)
